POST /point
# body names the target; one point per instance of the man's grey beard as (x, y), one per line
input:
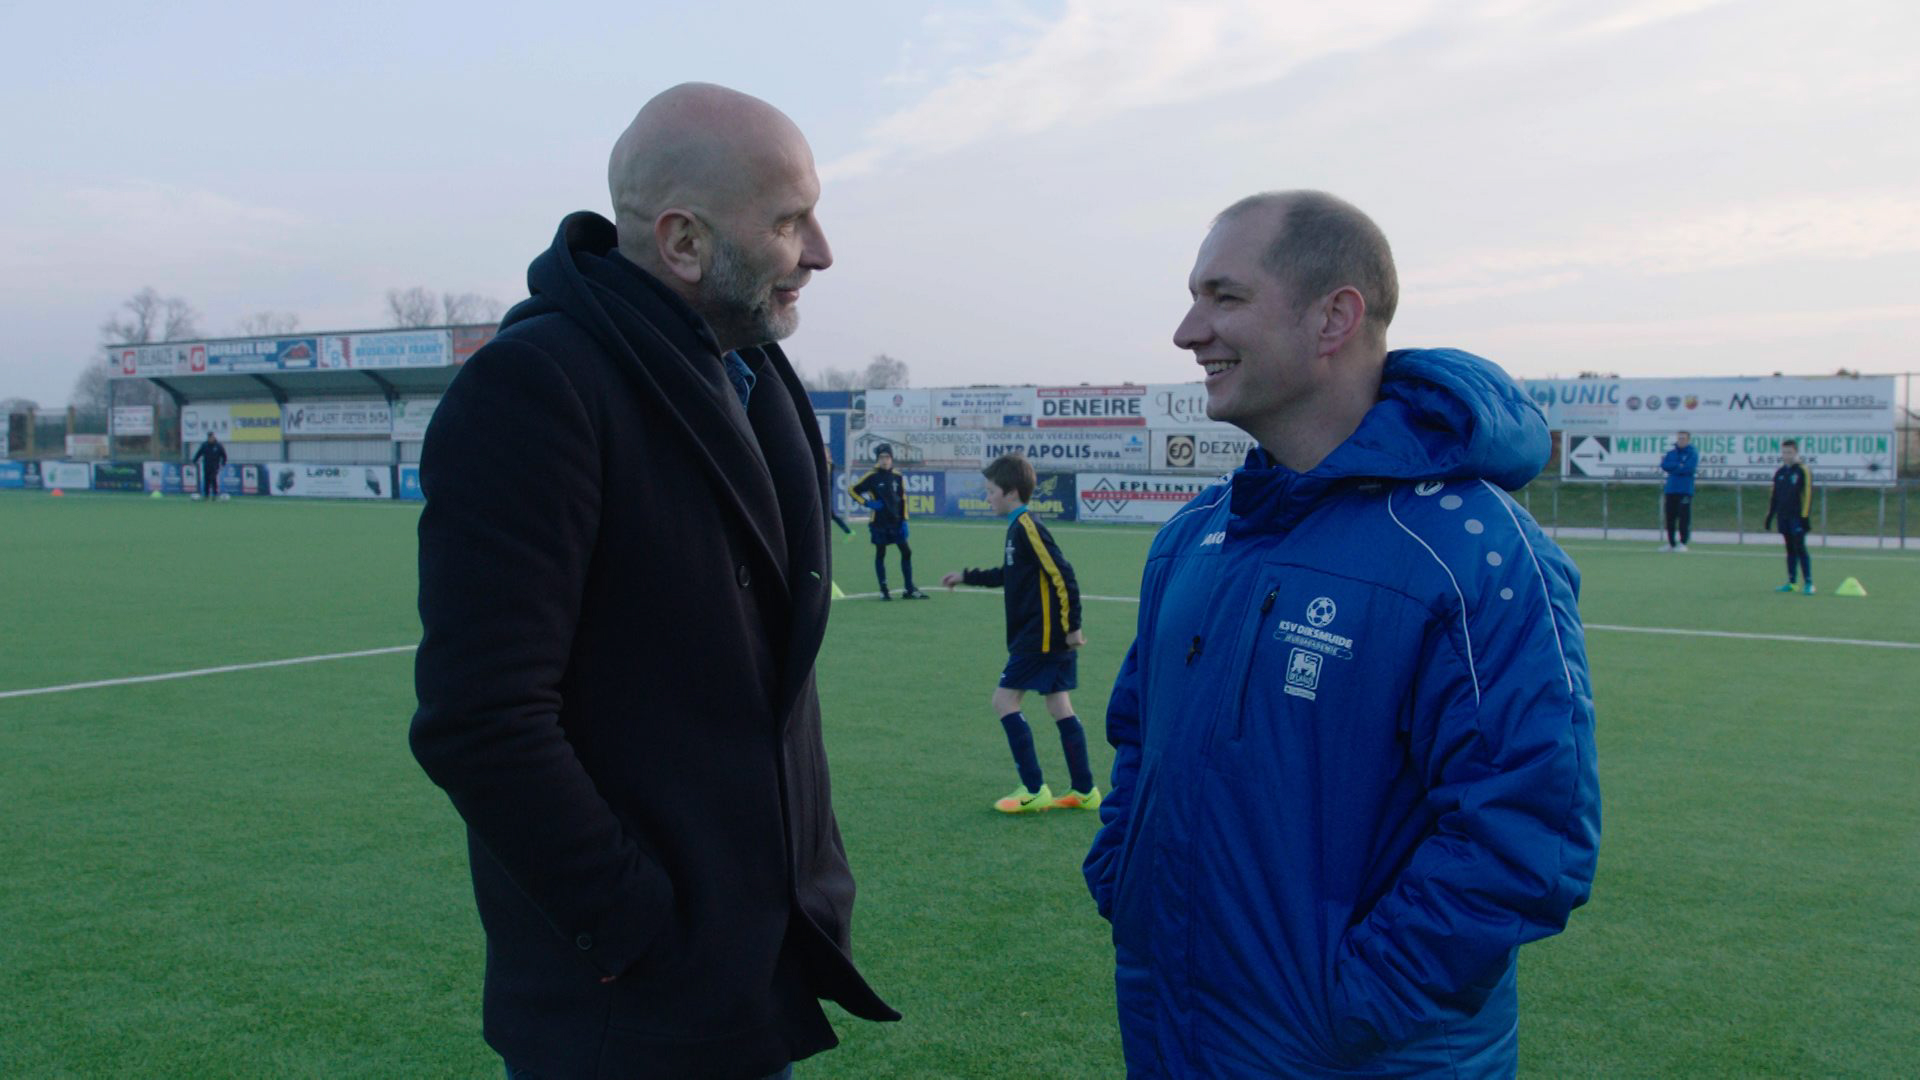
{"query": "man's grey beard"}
(738, 302)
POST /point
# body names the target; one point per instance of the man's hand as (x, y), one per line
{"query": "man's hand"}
(950, 580)
(1076, 638)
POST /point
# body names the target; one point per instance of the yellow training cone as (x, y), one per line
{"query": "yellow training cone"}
(1850, 587)
(838, 595)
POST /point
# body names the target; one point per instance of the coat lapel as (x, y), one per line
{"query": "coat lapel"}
(786, 429)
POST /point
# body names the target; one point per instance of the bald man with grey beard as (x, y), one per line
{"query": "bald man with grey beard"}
(624, 583)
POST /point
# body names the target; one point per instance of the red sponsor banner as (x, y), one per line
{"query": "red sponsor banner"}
(1091, 406)
(468, 339)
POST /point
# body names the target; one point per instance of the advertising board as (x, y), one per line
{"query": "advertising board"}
(314, 419)
(69, 475)
(1150, 500)
(408, 484)
(899, 410)
(1012, 407)
(1182, 406)
(1834, 457)
(411, 417)
(131, 420)
(1073, 448)
(922, 449)
(262, 354)
(1781, 405)
(247, 421)
(1208, 450)
(162, 476)
(393, 349)
(118, 476)
(1091, 406)
(965, 495)
(466, 340)
(314, 481)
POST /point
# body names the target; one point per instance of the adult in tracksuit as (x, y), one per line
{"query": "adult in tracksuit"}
(210, 457)
(1679, 463)
(1792, 505)
(1354, 764)
(622, 614)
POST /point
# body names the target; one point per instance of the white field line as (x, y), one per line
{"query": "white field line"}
(196, 673)
(391, 649)
(1675, 631)
(1776, 554)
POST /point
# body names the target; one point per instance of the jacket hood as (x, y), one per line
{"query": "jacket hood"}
(1442, 414)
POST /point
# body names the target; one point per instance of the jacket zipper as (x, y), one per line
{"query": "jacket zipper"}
(1237, 725)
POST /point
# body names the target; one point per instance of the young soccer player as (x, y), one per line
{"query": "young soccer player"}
(885, 493)
(1043, 632)
(1792, 503)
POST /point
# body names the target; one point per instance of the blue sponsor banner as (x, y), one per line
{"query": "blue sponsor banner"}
(924, 493)
(823, 400)
(409, 485)
(13, 474)
(964, 494)
(164, 477)
(262, 354)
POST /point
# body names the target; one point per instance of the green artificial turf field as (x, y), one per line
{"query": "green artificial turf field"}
(245, 874)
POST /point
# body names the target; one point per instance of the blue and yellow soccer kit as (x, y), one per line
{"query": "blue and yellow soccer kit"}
(1043, 607)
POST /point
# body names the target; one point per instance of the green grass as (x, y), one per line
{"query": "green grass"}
(247, 875)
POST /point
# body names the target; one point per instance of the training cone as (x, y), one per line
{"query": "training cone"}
(837, 594)
(56, 493)
(155, 495)
(1850, 587)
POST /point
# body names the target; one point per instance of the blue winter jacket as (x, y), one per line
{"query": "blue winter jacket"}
(1680, 465)
(1354, 763)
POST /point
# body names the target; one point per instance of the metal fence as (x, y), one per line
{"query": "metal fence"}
(1881, 516)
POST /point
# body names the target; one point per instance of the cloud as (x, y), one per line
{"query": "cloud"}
(1715, 331)
(1783, 230)
(1100, 58)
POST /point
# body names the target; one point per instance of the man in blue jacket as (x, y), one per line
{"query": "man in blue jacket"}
(1680, 463)
(1354, 763)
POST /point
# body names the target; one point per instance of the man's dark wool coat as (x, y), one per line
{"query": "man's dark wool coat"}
(624, 582)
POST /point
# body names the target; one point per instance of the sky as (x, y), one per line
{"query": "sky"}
(1014, 192)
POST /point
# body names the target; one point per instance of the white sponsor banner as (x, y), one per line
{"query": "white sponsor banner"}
(411, 417)
(87, 447)
(1149, 500)
(396, 349)
(331, 481)
(70, 475)
(1834, 457)
(899, 410)
(1209, 450)
(1092, 406)
(930, 449)
(1011, 407)
(1781, 405)
(1073, 449)
(131, 420)
(247, 421)
(305, 419)
(1182, 406)
(149, 361)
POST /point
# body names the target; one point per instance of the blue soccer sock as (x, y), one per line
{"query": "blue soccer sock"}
(1073, 740)
(1020, 741)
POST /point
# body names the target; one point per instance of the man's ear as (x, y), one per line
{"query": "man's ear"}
(1344, 314)
(682, 243)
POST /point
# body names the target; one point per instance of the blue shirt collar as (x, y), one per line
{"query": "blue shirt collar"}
(1014, 514)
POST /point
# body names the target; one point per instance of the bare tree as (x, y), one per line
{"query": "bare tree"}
(885, 373)
(267, 324)
(150, 317)
(466, 309)
(831, 379)
(412, 307)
